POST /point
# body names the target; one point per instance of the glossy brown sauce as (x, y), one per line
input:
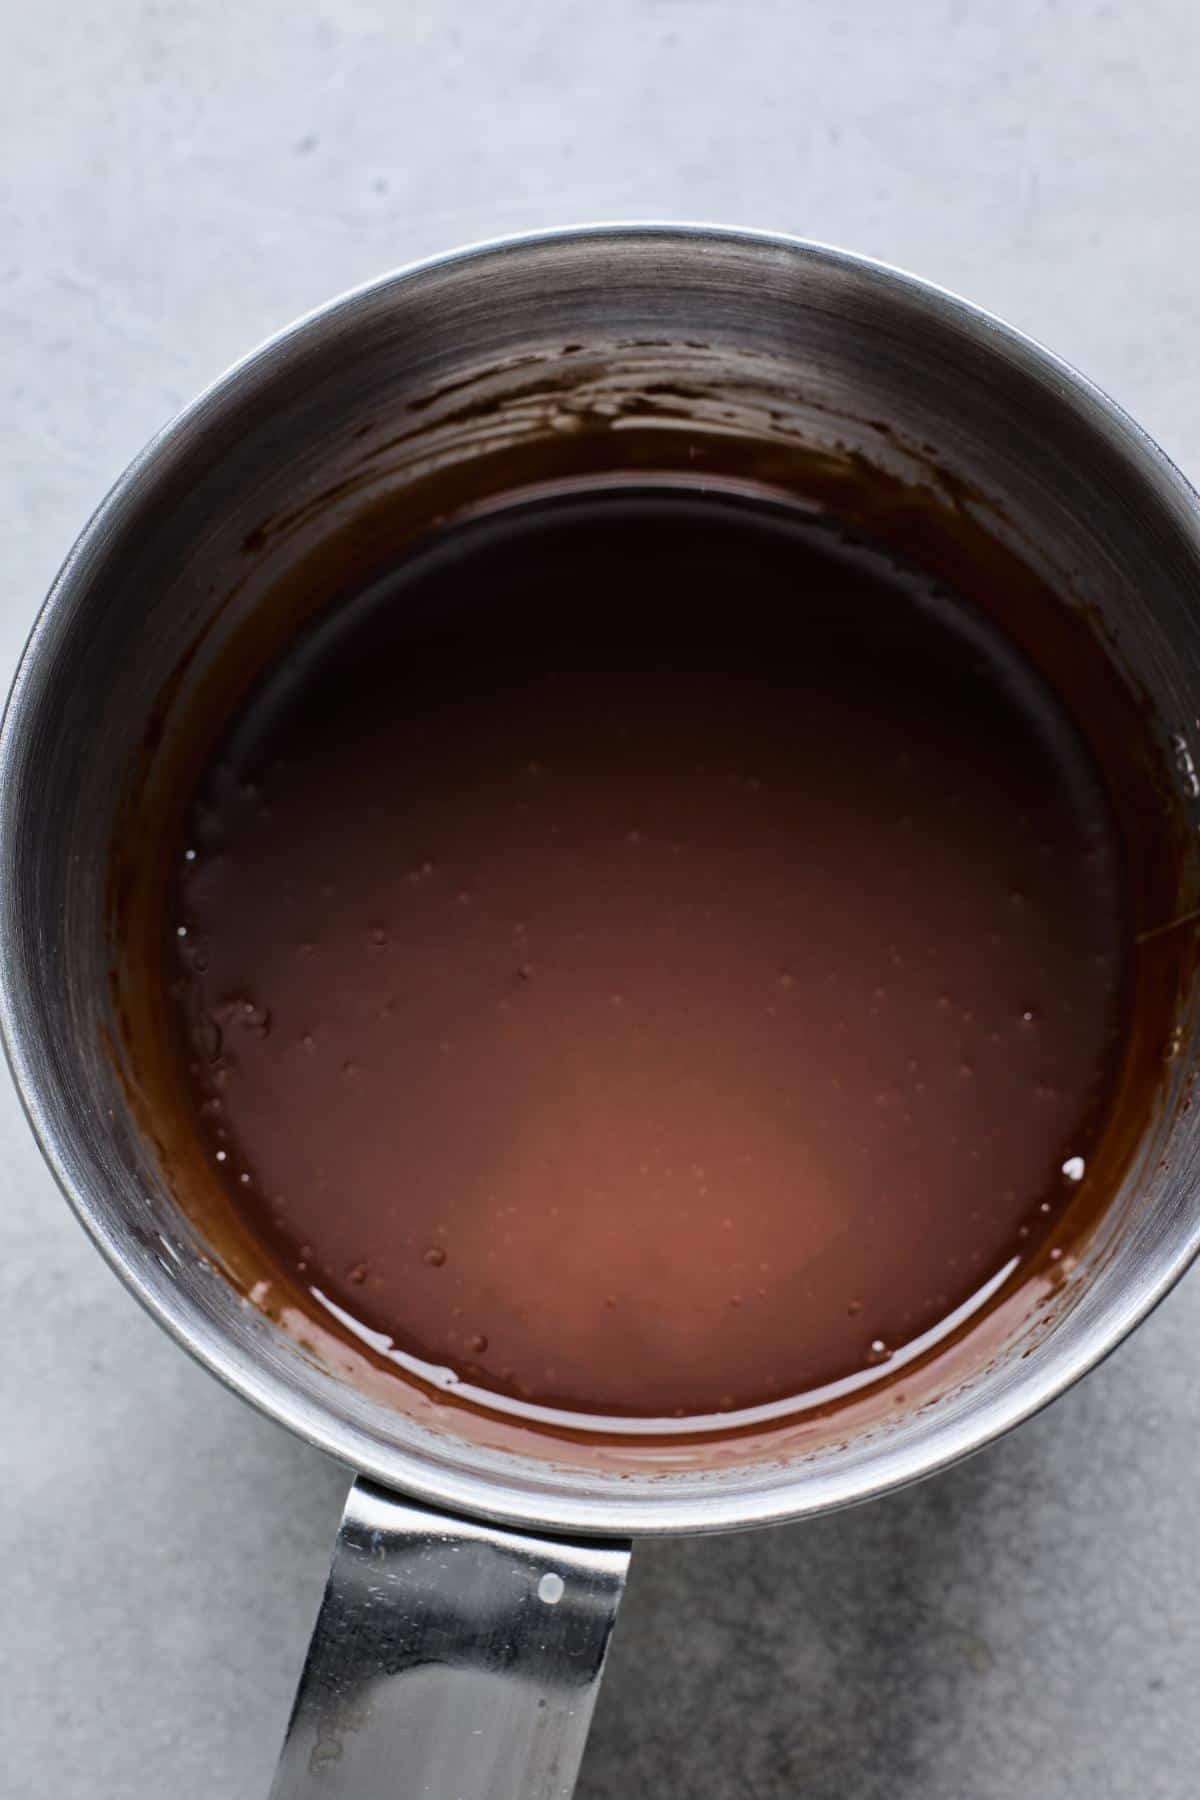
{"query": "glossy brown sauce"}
(650, 956)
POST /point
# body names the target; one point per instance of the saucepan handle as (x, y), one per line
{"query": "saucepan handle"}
(451, 1660)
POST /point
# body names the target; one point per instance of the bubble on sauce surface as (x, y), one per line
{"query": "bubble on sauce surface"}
(241, 1013)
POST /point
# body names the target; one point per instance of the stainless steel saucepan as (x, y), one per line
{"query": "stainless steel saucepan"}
(475, 1582)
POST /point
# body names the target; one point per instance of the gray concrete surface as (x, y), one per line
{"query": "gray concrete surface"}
(177, 178)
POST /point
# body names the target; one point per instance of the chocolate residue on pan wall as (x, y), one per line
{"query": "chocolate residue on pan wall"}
(542, 433)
